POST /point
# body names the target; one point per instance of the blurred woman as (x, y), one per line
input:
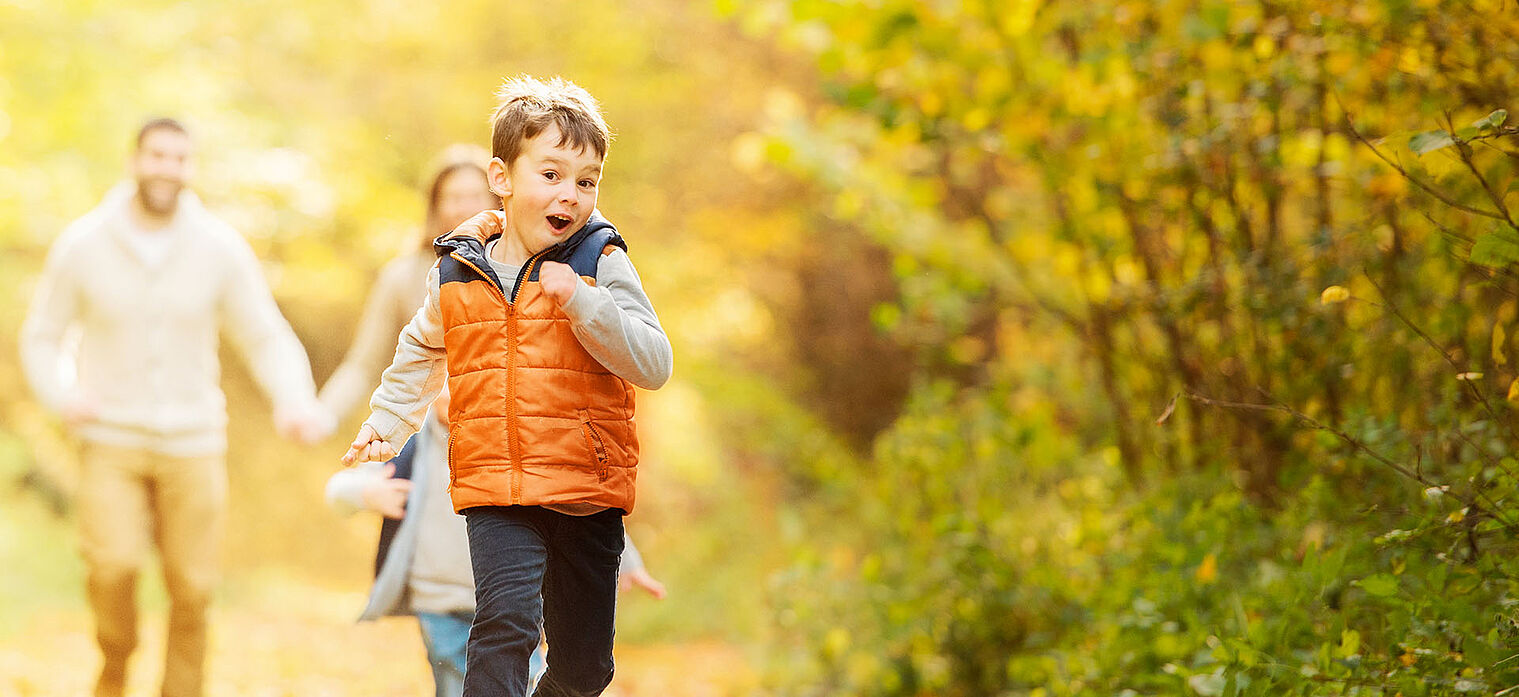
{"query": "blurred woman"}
(458, 191)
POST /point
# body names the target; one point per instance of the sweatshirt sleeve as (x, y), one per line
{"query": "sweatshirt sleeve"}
(373, 343)
(54, 308)
(631, 560)
(416, 373)
(345, 488)
(267, 343)
(616, 324)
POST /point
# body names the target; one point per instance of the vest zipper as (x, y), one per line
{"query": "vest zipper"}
(526, 272)
(598, 446)
(513, 438)
(450, 462)
(483, 275)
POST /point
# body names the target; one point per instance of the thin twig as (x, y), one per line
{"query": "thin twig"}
(1470, 384)
(1357, 446)
(1447, 200)
(1466, 159)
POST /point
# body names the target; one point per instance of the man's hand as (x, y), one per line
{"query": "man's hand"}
(387, 496)
(77, 409)
(559, 281)
(640, 577)
(368, 446)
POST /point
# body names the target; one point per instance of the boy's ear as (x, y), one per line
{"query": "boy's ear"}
(495, 176)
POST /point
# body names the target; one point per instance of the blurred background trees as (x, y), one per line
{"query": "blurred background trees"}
(1023, 348)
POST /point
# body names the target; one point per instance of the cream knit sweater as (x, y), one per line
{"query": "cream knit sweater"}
(148, 329)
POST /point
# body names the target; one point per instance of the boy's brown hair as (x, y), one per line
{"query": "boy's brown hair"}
(525, 106)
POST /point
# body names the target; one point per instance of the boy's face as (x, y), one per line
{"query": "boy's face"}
(549, 191)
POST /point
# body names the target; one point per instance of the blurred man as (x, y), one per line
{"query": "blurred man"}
(146, 282)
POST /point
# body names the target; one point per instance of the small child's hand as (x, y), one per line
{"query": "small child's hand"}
(368, 446)
(387, 495)
(559, 281)
(640, 577)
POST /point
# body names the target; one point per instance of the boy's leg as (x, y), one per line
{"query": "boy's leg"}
(445, 637)
(114, 525)
(507, 551)
(190, 505)
(580, 602)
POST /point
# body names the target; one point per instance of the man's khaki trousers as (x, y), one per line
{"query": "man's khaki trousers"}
(128, 501)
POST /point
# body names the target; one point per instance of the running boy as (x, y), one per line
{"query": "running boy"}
(545, 330)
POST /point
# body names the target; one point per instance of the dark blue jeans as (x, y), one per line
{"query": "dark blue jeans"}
(534, 565)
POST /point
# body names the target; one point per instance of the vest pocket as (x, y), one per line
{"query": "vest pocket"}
(597, 445)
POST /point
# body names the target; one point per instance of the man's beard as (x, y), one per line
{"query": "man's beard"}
(159, 196)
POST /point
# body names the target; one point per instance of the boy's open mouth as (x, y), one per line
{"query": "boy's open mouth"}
(560, 222)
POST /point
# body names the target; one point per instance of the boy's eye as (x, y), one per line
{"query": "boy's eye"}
(587, 183)
(551, 175)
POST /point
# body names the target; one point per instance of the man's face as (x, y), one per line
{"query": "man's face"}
(550, 190)
(161, 166)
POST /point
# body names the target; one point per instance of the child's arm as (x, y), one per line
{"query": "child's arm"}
(414, 378)
(614, 320)
(371, 486)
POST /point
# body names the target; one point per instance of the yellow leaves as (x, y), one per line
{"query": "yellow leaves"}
(1217, 54)
(1207, 571)
(1350, 643)
(1456, 516)
(1408, 659)
(835, 642)
(1019, 19)
(783, 105)
(977, 119)
(1333, 295)
(1513, 391)
(993, 81)
(930, 103)
(1264, 46)
(1410, 62)
(1387, 185)
(747, 152)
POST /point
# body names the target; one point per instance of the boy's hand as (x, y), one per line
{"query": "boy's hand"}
(368, 447)
(558, 280)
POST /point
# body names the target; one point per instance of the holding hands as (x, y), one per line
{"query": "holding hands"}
(368, 446)
(306, 423)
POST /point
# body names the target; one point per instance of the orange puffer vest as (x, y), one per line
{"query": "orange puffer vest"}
(533, 418)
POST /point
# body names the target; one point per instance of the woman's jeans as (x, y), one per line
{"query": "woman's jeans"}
(445, 637)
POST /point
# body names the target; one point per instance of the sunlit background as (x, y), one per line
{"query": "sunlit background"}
(1022, 348)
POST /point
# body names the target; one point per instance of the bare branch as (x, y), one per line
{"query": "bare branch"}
(1447, 200)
